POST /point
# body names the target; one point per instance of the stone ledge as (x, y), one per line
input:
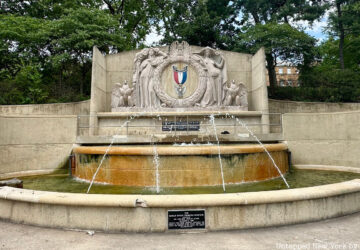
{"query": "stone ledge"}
(173, 201)
(169, 138)
(136, 112)
(180, 150)
(327, 168)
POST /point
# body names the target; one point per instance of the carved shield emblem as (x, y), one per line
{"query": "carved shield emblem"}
(180, 76)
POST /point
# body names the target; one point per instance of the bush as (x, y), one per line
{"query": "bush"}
(26, 87)
(316, 94)
(322, 84)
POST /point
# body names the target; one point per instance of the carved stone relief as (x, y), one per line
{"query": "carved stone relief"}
(236, 95)
(121, 96)
(179, 78)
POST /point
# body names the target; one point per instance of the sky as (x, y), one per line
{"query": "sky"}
(317, 29)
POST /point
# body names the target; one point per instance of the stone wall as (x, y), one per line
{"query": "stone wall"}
(280, 106)
(35, 143)
(71, 108)
(98, 88)
(323, 138)
(258, 96)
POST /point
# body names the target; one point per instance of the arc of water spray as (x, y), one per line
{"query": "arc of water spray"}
(212, 120)
(106, 152)
(262, 145)
(157, 164)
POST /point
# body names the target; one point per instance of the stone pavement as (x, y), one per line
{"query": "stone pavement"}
(339, 233)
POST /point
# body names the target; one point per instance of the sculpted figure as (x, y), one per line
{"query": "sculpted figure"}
(241, 98)
(215, 65)
(231, 93)
(146, 61)
(125, 95)
(139, 57)
(122, 96)
(236, 94)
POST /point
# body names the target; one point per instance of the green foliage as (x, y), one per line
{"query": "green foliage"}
(46, 45)
(203, 23)
(316, 94)
(324, 85)
(264, 11)
(273, 25)
(77, 32)
(57, 37)
(26, 87)
(350, 18)
(282, 41)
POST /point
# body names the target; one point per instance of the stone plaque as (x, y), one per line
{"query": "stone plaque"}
(186, 219)
(181, 126)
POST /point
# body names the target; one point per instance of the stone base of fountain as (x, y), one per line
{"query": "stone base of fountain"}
(149, 213)
(175, 122)
(180, 166)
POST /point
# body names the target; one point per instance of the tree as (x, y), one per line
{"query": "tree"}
(77, 32)
(281, 42)
(344, 21)
(135, 17)
(278, 20)
(58, 35)
(199, 22)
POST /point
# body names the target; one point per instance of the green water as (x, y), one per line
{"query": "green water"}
(295, 178)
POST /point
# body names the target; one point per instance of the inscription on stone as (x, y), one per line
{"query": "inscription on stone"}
(181, 126)
(186, 219)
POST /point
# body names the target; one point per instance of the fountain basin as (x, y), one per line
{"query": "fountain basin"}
(180, 166)
(149, 213)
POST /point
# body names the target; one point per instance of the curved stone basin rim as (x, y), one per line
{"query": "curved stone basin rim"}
(148, 213)
(196, 200)
(180, 150)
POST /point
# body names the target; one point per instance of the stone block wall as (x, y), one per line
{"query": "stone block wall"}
(280, 106)
(71, 108)
(323, 138)
(35, 143)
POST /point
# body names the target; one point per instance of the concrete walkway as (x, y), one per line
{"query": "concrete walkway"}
(339, 233)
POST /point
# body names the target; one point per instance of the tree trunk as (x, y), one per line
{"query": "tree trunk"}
(341, 35)
(271, 70)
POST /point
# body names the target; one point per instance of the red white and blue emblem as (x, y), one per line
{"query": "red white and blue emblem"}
(180, 76)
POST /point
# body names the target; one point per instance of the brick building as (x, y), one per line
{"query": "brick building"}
(285, 76)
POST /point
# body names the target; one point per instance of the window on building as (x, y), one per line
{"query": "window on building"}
(281, 71)
(289, 83)
(282, 83)
(288, 71)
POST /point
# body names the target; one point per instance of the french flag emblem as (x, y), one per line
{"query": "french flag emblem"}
(180, 75)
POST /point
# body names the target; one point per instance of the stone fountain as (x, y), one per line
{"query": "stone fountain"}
(179, 116)
(169, 117)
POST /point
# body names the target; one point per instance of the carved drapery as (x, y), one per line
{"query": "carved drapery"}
(211, 80)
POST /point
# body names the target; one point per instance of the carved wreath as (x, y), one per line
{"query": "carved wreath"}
(188, 101)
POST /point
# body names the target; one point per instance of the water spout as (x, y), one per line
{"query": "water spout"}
(212, 120)
(107, 151)
(157, 165)
(262, 145)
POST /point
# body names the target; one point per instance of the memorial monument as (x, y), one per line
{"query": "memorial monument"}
(142, 102)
